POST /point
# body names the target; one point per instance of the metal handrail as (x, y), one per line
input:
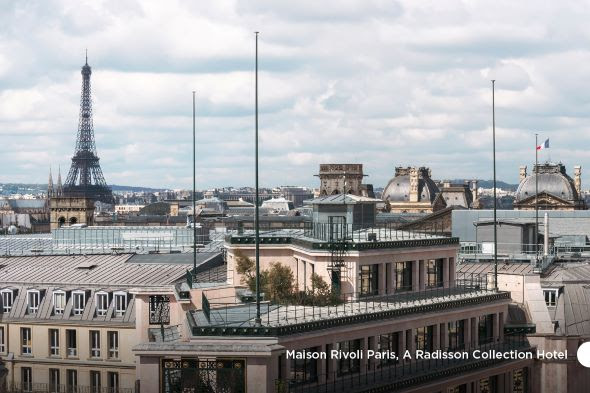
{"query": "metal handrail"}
(306, 308)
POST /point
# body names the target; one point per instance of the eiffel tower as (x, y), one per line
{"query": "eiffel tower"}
(85, 178)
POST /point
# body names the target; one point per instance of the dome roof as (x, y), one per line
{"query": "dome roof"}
(398, 189)
(552, 180)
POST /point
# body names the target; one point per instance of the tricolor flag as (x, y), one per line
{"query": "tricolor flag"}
(544, 145)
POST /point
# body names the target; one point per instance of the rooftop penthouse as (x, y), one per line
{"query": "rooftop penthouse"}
(347, 285)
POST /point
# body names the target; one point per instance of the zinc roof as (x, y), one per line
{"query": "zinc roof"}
(87, 270)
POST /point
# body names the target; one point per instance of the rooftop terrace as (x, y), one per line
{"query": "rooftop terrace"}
(224, 317)
(356, 237)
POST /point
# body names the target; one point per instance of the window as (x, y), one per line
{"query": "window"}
(113, 381)
(54, 380)
(368, 279)
(72, 346)
(102, 303)
(388, 343)
(120, 303)
(53, 342)
(485, 329)
(25, 339)
(33, 301)
(304, 370)
(59, 302)
(72, 381)
(113, 343)
(403, 276)
(159, 309)
(7, 298)
(456, 334)
(2, 345)
(350, 365)
(489, 384)
(520, 380)
(434, 268)
(95, 381)
(26, 379)
(551, 297)
(424, 336)
(94, 343)
(79, 302)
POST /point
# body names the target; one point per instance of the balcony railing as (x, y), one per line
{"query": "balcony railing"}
(351, 233)
(227, 316)
(405, 373)
(58, 388)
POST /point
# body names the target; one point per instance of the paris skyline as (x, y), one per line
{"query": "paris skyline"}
(378, 83)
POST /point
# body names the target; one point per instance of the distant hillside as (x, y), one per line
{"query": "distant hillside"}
(22, 188)
(119, 188)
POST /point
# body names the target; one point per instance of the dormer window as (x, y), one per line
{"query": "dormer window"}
(7, 299)
(120, 303)
(79, 302)
(102, 303)
(59, 302)
(551, 296)
(33, 299)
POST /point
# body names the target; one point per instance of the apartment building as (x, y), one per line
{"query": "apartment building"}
(397, 291)
(67, 322)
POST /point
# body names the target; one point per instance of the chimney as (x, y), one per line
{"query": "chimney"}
(546, 237)
(578, 180)
(446, 183)
(474, 190)
(414, 185)
(522, 174)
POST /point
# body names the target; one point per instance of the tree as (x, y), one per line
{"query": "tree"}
(280, 284)
(321, 294)
(245, 267)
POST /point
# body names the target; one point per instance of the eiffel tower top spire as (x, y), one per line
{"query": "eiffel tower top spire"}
(85, 178)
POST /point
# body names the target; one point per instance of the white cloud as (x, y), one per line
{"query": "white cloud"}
(380, 82)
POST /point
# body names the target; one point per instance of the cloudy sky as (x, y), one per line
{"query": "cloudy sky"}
(383, 83)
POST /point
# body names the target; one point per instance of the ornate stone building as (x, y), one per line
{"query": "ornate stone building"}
(412, 190)
(556, 189)
(334, 178)
(66, 210)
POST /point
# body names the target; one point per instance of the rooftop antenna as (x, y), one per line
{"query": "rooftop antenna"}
(537, 199)
(194, 191)
(258, 320)
(495, 200)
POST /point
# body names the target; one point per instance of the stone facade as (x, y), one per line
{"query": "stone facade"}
(70, 210)
(336, 178)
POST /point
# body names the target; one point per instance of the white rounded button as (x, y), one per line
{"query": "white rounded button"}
(584, 354)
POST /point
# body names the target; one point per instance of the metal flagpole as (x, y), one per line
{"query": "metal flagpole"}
(495, 200)
(194, 191)
(536, 199)
(258, 320)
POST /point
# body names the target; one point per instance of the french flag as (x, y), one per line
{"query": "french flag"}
(544, 145)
